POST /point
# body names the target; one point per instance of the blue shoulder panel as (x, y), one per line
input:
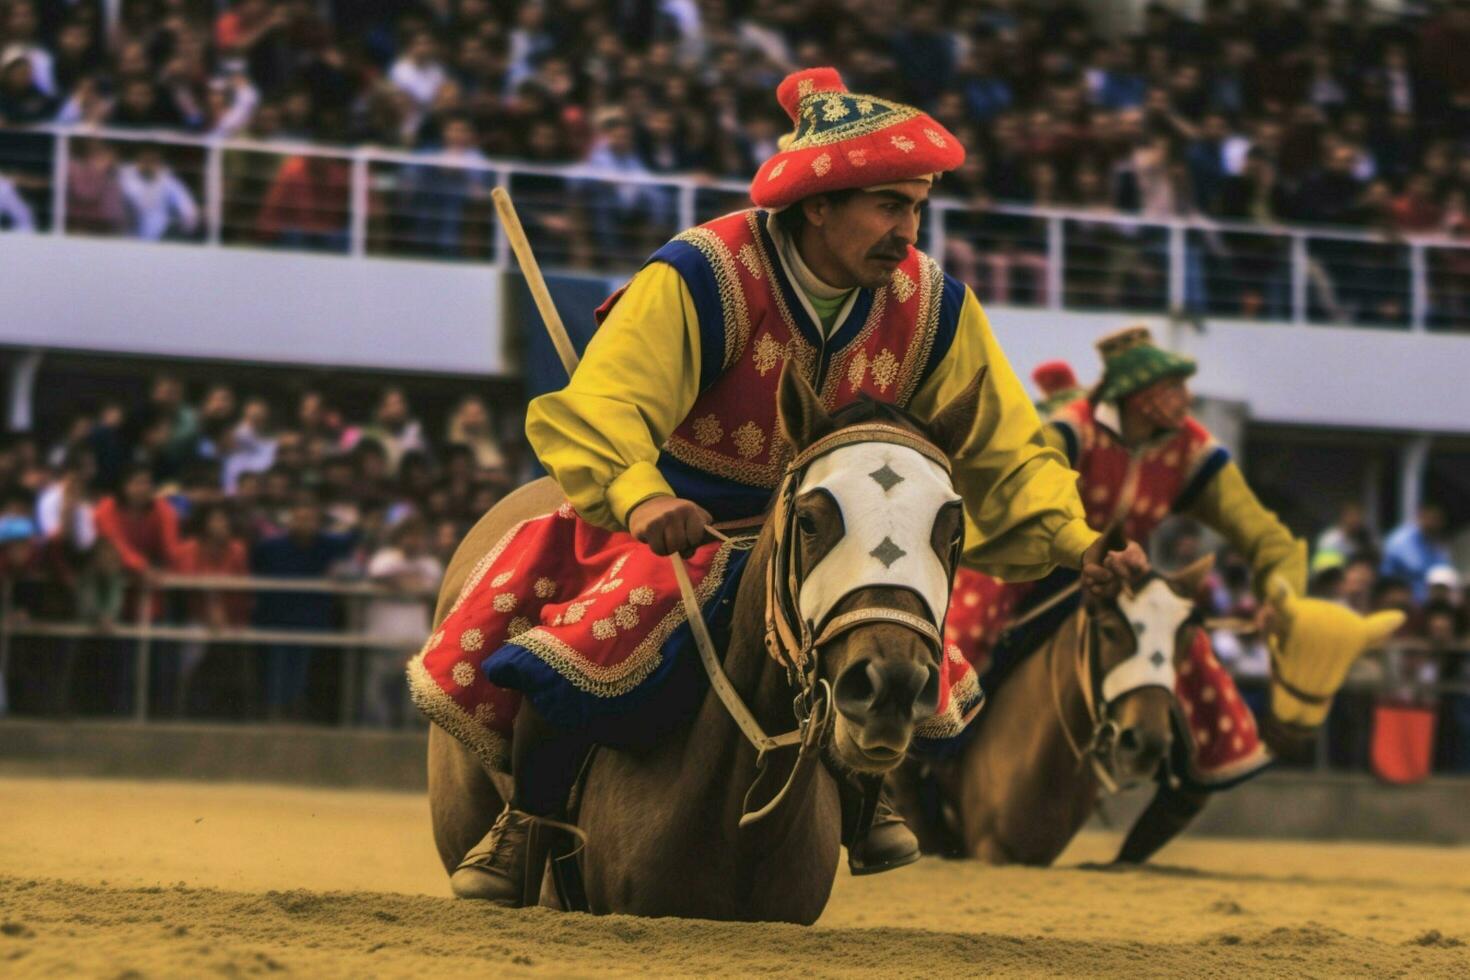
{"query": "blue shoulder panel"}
(697, 274)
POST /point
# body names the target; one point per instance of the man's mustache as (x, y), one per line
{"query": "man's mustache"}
(891, 251)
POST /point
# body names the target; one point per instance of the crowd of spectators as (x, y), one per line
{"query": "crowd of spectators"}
(222, 485)
(1425, 666)
(1326, 113)
(225, 486)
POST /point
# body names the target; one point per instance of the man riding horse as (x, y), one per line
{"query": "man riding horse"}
(669, 427)
(1140, 456)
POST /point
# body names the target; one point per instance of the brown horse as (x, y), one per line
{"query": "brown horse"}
(1090, 709)
(664, 834)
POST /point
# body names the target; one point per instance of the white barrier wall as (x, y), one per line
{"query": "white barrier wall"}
(245, 304)
(111, 295)
(1354, 377)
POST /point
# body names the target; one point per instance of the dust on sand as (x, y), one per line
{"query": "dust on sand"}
(141, 879)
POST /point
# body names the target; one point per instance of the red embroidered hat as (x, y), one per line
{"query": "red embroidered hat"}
(1054, 377)
(845, 140)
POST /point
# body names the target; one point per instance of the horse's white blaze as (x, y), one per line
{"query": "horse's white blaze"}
(1155, 613)
(890, 496)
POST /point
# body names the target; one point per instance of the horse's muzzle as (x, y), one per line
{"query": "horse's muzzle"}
(1137, 753)
(901, 690)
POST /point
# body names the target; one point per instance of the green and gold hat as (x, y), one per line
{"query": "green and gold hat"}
(1132, 362)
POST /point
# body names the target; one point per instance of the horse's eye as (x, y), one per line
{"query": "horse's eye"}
(807, 523)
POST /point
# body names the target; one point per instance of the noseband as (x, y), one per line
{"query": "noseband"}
(790, 639)
(1099, 692)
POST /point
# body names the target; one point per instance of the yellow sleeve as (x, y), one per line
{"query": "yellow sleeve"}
(599, 437)
(1227, 505)
(1023, 516)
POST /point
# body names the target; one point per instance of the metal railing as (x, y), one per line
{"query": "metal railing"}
(147, 631)
(383, 203)
(1394, 681)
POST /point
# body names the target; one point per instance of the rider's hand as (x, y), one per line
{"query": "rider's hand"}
(669, 524)
(1105, 572)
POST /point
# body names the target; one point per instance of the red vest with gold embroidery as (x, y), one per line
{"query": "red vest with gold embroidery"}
(727, 453)
(1140, 486)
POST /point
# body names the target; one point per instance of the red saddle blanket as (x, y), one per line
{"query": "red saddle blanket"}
(589, 624)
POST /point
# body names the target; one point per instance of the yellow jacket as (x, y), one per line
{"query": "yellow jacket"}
(599, 437)
(1227, 506)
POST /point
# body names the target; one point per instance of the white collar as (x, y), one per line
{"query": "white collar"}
(806, 282)
(1106, 414)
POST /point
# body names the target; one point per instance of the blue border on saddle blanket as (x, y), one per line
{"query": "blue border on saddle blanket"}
(666, 700)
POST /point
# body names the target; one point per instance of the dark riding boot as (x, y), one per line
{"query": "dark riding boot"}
(507, 866)
(875, 835)
(495, 869)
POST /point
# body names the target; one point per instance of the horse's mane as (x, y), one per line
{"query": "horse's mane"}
(869, 409)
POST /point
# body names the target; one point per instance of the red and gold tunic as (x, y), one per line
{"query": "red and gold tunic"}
(1137, 488)
(586, 622)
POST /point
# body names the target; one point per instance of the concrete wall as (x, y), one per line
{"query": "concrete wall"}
(111, 295)
(1279, 804)
(243, 304)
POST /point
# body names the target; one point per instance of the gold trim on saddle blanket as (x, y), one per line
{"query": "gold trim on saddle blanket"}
(949, 722)
(619, 679)
(433, 701)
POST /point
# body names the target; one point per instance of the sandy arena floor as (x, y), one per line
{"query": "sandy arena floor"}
(125, 879)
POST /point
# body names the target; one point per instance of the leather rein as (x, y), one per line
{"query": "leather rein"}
(790, 640)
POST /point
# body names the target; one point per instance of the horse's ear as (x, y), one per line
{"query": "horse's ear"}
(803, 419)
(952, 425)
(1187, 581)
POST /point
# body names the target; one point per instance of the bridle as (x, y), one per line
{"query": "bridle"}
(1100, 691)
(790, 639)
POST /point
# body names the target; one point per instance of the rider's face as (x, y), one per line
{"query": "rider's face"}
(1162, 405)
(862, 239)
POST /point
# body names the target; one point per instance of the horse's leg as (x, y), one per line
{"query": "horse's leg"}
(1020, 794)
(1168, 813)
(463, 800)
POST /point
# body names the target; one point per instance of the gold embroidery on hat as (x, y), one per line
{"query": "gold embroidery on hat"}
(934, 137)
(902, 142)
(822, 164)
(863, 125)
(858, 158)
(707, 430)
(865, 107)
(749, 440)
(776, 170)
(804, 88)
(833, 109)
